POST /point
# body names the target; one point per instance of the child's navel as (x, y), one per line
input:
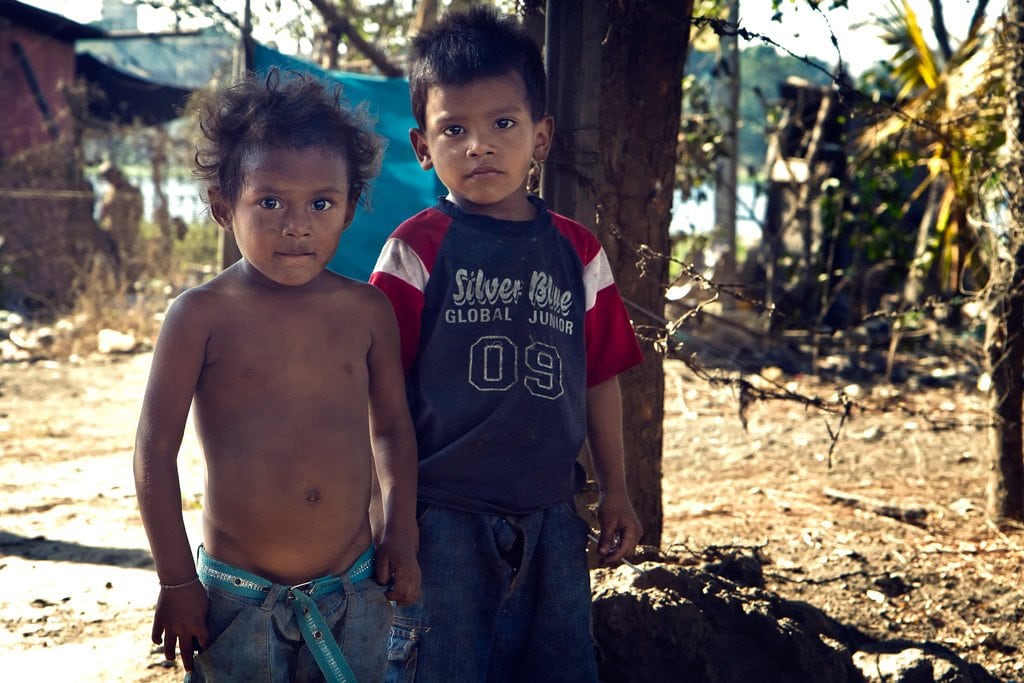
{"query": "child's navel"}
(312, 496)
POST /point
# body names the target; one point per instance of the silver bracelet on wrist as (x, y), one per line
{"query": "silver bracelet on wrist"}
(176, 586)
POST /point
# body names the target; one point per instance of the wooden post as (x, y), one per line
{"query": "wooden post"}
(572, 44)
(573, 51)
(726, 164)
(227, 249)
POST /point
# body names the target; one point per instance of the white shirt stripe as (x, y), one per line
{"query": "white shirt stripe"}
(596, 276)
(399, 260)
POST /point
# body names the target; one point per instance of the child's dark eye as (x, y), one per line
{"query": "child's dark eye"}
(453, 130)
(504, 123)
(322, 204)
(270, 203)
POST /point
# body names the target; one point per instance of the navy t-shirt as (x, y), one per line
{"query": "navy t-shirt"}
(504, 326)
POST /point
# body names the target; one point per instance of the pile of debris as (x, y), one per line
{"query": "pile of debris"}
(715, 623)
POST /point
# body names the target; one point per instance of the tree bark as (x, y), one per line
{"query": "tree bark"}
(643, 53)
(1005, 338)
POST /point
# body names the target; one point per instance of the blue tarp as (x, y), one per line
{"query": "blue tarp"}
(402, 188)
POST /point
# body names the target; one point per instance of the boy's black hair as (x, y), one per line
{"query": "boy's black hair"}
(265, 114)
(466, 46)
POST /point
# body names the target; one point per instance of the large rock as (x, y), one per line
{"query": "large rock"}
(688, 624)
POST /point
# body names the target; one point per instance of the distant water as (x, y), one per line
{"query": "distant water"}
(694, 216)
(697, 216)
(184, 198)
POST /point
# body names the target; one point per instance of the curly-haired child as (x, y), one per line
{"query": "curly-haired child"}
(294, 376)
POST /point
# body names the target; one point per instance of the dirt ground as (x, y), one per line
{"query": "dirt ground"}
(79, 586)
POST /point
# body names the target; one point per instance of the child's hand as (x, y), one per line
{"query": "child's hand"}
(620, 528)
(396, 564)
(180, 620)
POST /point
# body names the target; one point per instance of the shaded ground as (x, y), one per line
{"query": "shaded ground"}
(946, 576)
(80, 587)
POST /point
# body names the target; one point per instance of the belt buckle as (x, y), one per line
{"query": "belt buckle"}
(304, 587)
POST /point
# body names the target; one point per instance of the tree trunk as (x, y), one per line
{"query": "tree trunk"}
(643, 54)
(727, 163)
(426, 16)
(227, 248)
(1005, 340)
(161, 209)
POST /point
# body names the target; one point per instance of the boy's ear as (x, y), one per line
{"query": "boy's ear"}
(543, 131)
(219, 208)
(422, 149)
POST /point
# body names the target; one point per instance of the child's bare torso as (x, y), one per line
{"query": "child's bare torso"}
(281, 411)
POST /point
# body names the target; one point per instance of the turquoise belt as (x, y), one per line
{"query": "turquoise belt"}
(302, 597)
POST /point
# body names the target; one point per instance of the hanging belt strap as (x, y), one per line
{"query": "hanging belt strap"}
(302, 598)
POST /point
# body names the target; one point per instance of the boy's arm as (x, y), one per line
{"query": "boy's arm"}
(620, 527)
(393, 510)
(180, 617)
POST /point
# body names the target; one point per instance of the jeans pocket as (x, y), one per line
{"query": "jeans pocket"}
(422, 509)
(402, 643)
(231, 623)
(569, 508)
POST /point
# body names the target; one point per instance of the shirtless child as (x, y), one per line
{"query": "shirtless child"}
(298, 392)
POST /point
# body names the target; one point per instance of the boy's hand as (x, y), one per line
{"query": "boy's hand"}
(180, 620)
(396, 564)
(620, 527)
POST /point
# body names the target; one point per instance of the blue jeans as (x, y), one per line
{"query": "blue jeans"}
(256, 640)
(503, 599)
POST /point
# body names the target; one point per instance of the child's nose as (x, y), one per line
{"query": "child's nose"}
(480, 145)
(297, 224)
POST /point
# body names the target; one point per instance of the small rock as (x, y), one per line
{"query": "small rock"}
(908, 666)
(45, 336)
(23, 339)
(963, 506)
(870, 434)
(112, 341)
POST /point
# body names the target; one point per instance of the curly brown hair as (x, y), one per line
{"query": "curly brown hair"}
(291, 110)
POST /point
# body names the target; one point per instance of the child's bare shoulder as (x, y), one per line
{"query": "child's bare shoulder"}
(372, 304)
(358, 290)
(207, 300)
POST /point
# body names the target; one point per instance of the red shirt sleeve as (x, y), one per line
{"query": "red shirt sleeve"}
(402, 271)
(612, 346)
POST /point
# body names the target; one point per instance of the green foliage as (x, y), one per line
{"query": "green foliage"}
(762, 71)
(873, 205)
(686, 248)
(198, 247)
(700, 137)
(946, 123)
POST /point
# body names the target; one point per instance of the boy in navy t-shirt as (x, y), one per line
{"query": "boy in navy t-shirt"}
(513, 334)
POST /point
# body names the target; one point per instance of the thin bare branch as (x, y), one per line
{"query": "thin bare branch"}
(341, 24)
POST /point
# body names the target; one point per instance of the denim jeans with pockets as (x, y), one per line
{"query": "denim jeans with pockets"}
(505, 598)
(259, 641)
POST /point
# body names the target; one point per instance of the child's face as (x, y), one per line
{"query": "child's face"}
(480, 139)
(290, 213)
